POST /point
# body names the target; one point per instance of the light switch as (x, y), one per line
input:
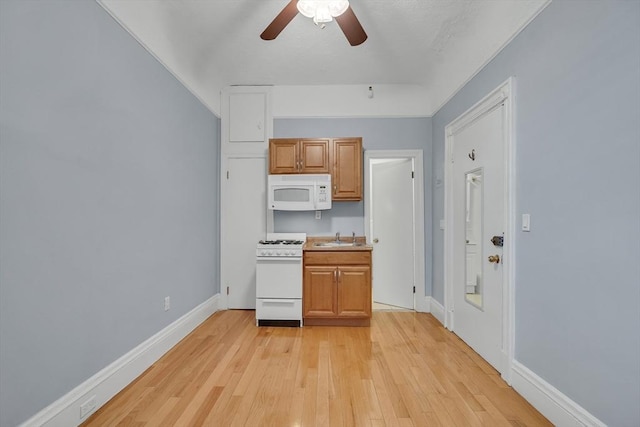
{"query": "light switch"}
(442, 224)
(526, 222)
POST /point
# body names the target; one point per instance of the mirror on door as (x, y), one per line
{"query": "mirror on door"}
(473, 235)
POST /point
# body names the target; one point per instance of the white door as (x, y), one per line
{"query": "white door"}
(479, 215)
(244, 223)
(392, 231)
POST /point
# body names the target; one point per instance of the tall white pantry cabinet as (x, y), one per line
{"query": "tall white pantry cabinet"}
(246, 126)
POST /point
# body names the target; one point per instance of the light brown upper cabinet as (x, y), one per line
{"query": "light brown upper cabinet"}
(340, 157)
(295, 155)
(346, 176)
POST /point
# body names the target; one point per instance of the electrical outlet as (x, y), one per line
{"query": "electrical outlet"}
(318, 214)
(87, 407)
(167, 303)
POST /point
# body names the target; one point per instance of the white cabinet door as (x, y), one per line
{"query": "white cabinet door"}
(247, 117)
(244, 222)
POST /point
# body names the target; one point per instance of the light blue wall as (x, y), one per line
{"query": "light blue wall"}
(377, 134)
(577, 70)
(109, 199)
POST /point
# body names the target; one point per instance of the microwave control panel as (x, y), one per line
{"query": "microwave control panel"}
(322, 193)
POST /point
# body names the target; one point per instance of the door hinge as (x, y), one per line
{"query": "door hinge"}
(412, 175)
(227, 174)
(414, 289)
(227, 290)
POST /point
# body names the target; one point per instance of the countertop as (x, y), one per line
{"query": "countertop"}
(361, 244)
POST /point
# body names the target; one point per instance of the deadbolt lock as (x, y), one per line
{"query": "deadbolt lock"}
(497, 241)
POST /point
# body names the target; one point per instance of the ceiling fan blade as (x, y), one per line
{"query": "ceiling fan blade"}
(351, 27)
(280, 22)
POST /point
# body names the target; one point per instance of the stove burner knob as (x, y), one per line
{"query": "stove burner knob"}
(269, 253)
(278, 253)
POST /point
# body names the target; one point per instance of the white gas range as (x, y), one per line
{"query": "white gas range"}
(279, 278)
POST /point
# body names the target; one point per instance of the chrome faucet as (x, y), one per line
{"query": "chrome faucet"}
(338, 237)
(353, 237)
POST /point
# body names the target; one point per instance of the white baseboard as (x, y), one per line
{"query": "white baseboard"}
(106, 383)
(422, 304)
(430, 305)
(552, 403)
(436, 309)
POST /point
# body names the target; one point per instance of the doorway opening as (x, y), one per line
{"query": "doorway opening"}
(394, 225)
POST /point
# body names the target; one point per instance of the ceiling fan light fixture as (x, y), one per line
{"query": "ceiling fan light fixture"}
(322, 10)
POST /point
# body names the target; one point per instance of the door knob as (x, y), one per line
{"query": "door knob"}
(375, 240)
(494, 258)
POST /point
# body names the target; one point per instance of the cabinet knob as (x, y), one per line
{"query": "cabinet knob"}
(376, 240)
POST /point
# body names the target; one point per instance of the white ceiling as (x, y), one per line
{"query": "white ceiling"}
(437, 45)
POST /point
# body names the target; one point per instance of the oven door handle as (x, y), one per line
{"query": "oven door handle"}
(278, 301)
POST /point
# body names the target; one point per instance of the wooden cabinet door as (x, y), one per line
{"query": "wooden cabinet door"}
(314, 155)
(319, 293)
(283, 156)
(354, 291)
(347, 169)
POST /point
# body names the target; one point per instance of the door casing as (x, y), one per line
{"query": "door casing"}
(502, 94)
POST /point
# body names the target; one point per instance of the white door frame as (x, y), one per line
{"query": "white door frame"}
(503, 94)
(420, 303)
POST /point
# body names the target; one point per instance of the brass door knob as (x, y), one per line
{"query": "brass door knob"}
(494, 258)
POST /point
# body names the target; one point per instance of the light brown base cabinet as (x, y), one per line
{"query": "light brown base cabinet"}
(337, 288)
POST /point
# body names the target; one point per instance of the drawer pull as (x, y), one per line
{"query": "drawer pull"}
(278, 302)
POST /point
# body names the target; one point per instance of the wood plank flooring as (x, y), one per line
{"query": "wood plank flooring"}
(403, 370)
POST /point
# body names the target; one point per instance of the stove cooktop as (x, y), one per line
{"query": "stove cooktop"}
(281, 242)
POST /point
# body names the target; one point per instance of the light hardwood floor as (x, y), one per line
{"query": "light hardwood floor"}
(403, 370)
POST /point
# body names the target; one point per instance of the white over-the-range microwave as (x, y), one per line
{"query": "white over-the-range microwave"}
(299, 192)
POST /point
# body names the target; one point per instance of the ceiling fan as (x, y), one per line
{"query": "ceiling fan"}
(321, 11)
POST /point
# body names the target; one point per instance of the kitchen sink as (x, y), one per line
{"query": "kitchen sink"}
(336, 244)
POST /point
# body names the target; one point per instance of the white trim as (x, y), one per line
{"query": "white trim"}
(503, 94)
(552, 403)
(436, 309)
(157, 58)
(418, 194)
(353, 116)
(491, 58)
(107, 382)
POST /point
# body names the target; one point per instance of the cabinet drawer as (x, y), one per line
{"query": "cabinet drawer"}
(337, 258)
(279, 309)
